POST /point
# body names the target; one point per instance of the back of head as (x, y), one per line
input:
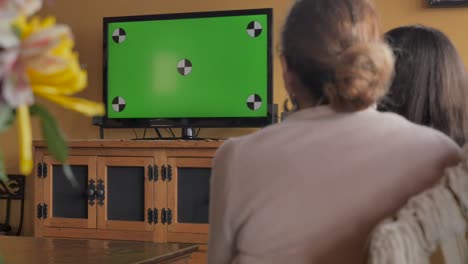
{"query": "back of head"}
(430, 84)
(335, 48)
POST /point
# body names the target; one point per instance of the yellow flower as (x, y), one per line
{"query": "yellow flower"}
(25, 139)
(53, 71)
(57, 73)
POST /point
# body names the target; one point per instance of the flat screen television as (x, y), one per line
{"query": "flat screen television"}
(210, 69)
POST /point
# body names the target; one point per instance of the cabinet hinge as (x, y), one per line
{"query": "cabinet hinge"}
(166, 173)
(169, 173)
(39, 211)
(42, 212)
(163, 216)
(41, 170)
(155, 172)
(150, 173)
(44, 170)
(152, 216)
(45, 212)
(163, 172)
(166, 216)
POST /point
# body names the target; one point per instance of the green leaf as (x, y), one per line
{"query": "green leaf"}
(53, 135)
(3, 175)
(17, 31)
(7, 115)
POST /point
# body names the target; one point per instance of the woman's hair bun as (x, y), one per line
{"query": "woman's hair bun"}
(362, 76)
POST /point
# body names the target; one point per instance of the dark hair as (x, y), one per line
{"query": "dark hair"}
(430, 83)
(336, 49)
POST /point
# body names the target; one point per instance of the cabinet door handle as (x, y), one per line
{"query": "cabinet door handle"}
(91, 192)
(101, 193)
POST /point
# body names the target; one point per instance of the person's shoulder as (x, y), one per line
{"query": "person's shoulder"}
(443, 147)
(419, 132)
(262, 133)
(426, 134)
(226, 150)
(259, 141)
(396, 120)
(429, 141)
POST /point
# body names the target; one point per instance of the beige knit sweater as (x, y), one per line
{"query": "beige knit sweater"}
(310, 190)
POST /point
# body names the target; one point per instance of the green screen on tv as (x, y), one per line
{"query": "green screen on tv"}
(207, 65)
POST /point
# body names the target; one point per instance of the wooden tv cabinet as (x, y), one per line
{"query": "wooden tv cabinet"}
(126, 190)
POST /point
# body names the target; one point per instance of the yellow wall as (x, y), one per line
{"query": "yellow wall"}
(452, 21)
(85, 18)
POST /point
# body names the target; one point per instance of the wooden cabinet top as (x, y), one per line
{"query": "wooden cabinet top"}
(138, 144)
(49, 250)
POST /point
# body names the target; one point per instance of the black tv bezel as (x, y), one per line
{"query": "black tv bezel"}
(448, 3)
(203, 122)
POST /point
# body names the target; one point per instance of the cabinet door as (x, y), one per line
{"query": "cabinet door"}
(124, 193)
(68, 203)
(188, 195)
